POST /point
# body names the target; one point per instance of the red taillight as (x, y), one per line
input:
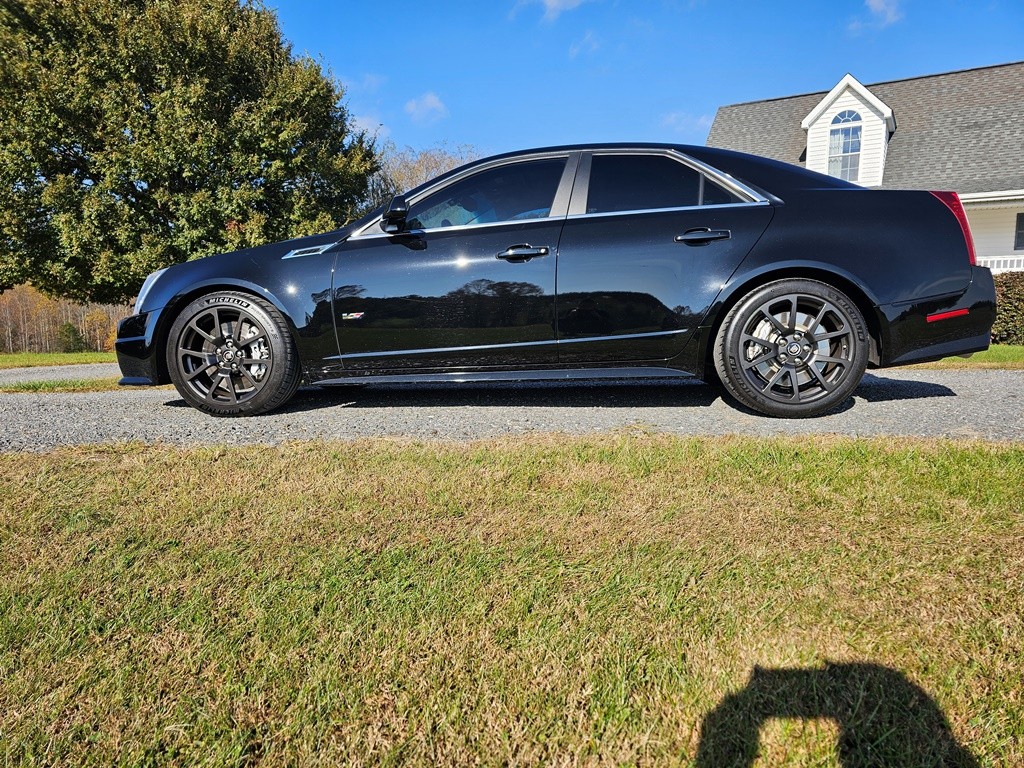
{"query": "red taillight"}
(952, 201)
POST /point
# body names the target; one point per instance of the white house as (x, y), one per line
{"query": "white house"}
(961, 131)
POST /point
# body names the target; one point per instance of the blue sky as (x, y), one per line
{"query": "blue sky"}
(510, 74)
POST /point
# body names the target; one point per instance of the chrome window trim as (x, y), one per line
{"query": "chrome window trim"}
(754, 204)
(456, 227)
(471, 171)
(723, 179)
(578, 162)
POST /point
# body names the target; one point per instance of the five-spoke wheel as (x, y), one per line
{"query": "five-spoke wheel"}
(230, 353)
(792, 348)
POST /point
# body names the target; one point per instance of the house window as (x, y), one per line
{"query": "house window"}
(1018, 241)
(844, 146)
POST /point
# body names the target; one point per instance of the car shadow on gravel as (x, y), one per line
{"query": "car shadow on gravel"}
(876, 389)
(528, 394)
(633, 394)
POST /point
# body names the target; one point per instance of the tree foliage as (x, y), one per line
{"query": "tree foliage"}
(135, 134)
(71, 339)
(401, 169)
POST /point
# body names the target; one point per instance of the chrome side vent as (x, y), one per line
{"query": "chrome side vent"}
(311, 251)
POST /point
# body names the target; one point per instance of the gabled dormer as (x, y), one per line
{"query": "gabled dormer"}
(848, 133)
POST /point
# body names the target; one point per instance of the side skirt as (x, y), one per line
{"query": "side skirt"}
(573, 374)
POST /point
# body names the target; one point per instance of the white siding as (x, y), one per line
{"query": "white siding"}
(874, 138)
(993, 230)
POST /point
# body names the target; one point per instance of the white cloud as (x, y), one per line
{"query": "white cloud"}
(589, 43)
(372, 125)
(371, 82)
(552, 8)
(883, 14)
(886, 12)
(428, 108)
(691, 126)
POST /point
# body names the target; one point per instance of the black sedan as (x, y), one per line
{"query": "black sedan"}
(581, 262)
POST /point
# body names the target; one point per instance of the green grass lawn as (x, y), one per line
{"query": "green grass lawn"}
(36, 359)
(998, 356)
(548, 600)
(61, 385)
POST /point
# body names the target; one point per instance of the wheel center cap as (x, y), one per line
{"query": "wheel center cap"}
(793, 348)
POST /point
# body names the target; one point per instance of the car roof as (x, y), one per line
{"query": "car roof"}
(772, 176)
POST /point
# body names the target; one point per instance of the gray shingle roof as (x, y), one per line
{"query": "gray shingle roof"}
(959, 130)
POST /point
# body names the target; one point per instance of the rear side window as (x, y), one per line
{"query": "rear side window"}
(512, 192)
(646, 182)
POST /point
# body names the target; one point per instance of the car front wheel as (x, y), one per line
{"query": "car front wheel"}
(230, 354)
(792, 348)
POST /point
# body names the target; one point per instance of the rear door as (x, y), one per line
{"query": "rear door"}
(650, 238)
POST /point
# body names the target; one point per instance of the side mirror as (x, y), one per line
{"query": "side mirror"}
(394, 216)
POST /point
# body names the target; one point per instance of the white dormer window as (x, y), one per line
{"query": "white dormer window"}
(848, 134)
(844, 146)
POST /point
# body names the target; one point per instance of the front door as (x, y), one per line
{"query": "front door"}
(469, 283)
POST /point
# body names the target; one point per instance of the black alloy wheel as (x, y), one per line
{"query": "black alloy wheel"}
(792, 348)
(230, 353)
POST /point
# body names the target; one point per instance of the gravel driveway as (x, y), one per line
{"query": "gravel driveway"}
(59, 373)
(957, 404)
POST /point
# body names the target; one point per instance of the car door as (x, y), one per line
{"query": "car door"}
(468, 283)
(650, 238)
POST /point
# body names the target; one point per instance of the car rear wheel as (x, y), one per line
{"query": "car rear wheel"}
(230, 354)
(792, 348)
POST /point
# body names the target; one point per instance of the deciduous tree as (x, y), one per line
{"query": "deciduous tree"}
(401, 169)
(140, 133)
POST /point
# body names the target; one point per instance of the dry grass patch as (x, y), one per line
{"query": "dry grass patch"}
(549, 599)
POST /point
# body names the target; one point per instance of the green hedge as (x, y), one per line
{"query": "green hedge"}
(1009, 327)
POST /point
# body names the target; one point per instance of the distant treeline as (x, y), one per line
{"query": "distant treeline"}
(32, 322)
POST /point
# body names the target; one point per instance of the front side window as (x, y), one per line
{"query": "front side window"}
(507, 193)
(649, 182)
(844, 146)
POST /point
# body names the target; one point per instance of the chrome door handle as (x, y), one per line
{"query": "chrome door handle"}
(523, 252)
(703, 236)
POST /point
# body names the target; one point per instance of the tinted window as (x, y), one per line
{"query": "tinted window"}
(717, 195)
(640, 182)
(508, 193)
(645, 182)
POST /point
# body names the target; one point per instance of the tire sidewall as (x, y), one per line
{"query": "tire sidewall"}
(277, 337)
(728, 349)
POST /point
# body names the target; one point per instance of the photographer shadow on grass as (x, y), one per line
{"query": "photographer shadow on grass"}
(883, 718)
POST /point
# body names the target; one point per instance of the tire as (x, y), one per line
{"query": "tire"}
(231, 354)
(792, 349)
